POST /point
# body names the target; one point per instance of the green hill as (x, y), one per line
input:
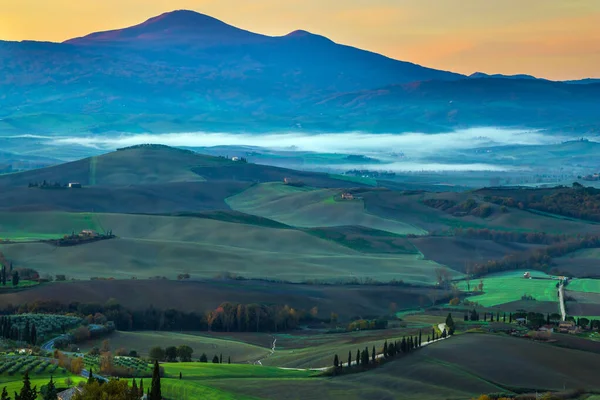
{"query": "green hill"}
(308, 208)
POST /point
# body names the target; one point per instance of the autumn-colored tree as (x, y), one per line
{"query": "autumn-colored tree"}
(76, 365)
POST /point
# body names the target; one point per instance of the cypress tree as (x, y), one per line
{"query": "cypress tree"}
(155, 393)
(510, 318)
(498, 316)
(15, 278)
(33, 335)
(373, 355)
(349, 359)
(336, 362)
(229, 360)
(27, 393)
(180, 375)
(420, 344)
(215, 359)
(428, 339)
(358, 357)
(485, 317)
(4, 394)
(51, 392)
(91, 376)
(27, 332)
(135, 393)
(221, 358)
(504, 318)
(141, 392)
(385, 349)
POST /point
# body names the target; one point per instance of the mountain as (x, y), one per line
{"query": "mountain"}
(177, 27)
(184, 71)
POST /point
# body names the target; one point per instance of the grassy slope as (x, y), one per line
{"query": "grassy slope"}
(409, 208)
(511, 286)
(142, 342)
(304, 207)
(199, 246)
(460, 368)
(584, 285)
(198, 379)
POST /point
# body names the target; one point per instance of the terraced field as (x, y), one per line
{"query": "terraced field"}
(510, 286)
(134, 366)
(308, 208)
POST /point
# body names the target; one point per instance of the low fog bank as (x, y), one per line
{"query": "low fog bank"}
(398, 152)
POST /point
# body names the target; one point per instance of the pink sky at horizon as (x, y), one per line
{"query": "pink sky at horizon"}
(554, 39)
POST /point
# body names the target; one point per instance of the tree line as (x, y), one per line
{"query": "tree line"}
(537, 259)
(27, 334)
(228, 317)
(577, 202)
(365, 359)
(510, 236)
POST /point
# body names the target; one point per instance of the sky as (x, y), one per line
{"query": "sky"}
(554, 39)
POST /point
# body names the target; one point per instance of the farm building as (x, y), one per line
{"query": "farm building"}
(568, 327)
(527, 275)
(235, 159)
(74, 185)
(88, 233)
(347, 196)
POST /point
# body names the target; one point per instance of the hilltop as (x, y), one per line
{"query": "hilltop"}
(146, 179)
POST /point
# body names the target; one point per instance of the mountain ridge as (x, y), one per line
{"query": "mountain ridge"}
(188, 71)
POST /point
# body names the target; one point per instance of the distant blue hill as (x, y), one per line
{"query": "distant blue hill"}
(185, 71)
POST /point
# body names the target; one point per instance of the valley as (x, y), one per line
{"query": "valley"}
(278, 271)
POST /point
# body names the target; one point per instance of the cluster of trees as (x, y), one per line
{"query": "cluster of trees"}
(47, 185)
(577, 202)
(467, 207)
(171, 353)
(27, 334)
(536, 259)
(217, 359)
(363, 324)
(47, 392)
(514, 237)
(116, 389)
(473, 315)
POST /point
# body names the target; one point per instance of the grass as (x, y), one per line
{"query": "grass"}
(302, 207)
(511, 286)
(142, 342)
(45, 225)
(22, 284)
(584, 285)
(198, 379)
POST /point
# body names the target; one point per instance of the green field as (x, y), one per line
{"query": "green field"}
(45, 225)
(142, 342)
(511, 286)
(303, 207)
(22, 284)
(199, 378)
(584, 285)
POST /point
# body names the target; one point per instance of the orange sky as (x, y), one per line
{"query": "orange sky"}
(556, 39)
